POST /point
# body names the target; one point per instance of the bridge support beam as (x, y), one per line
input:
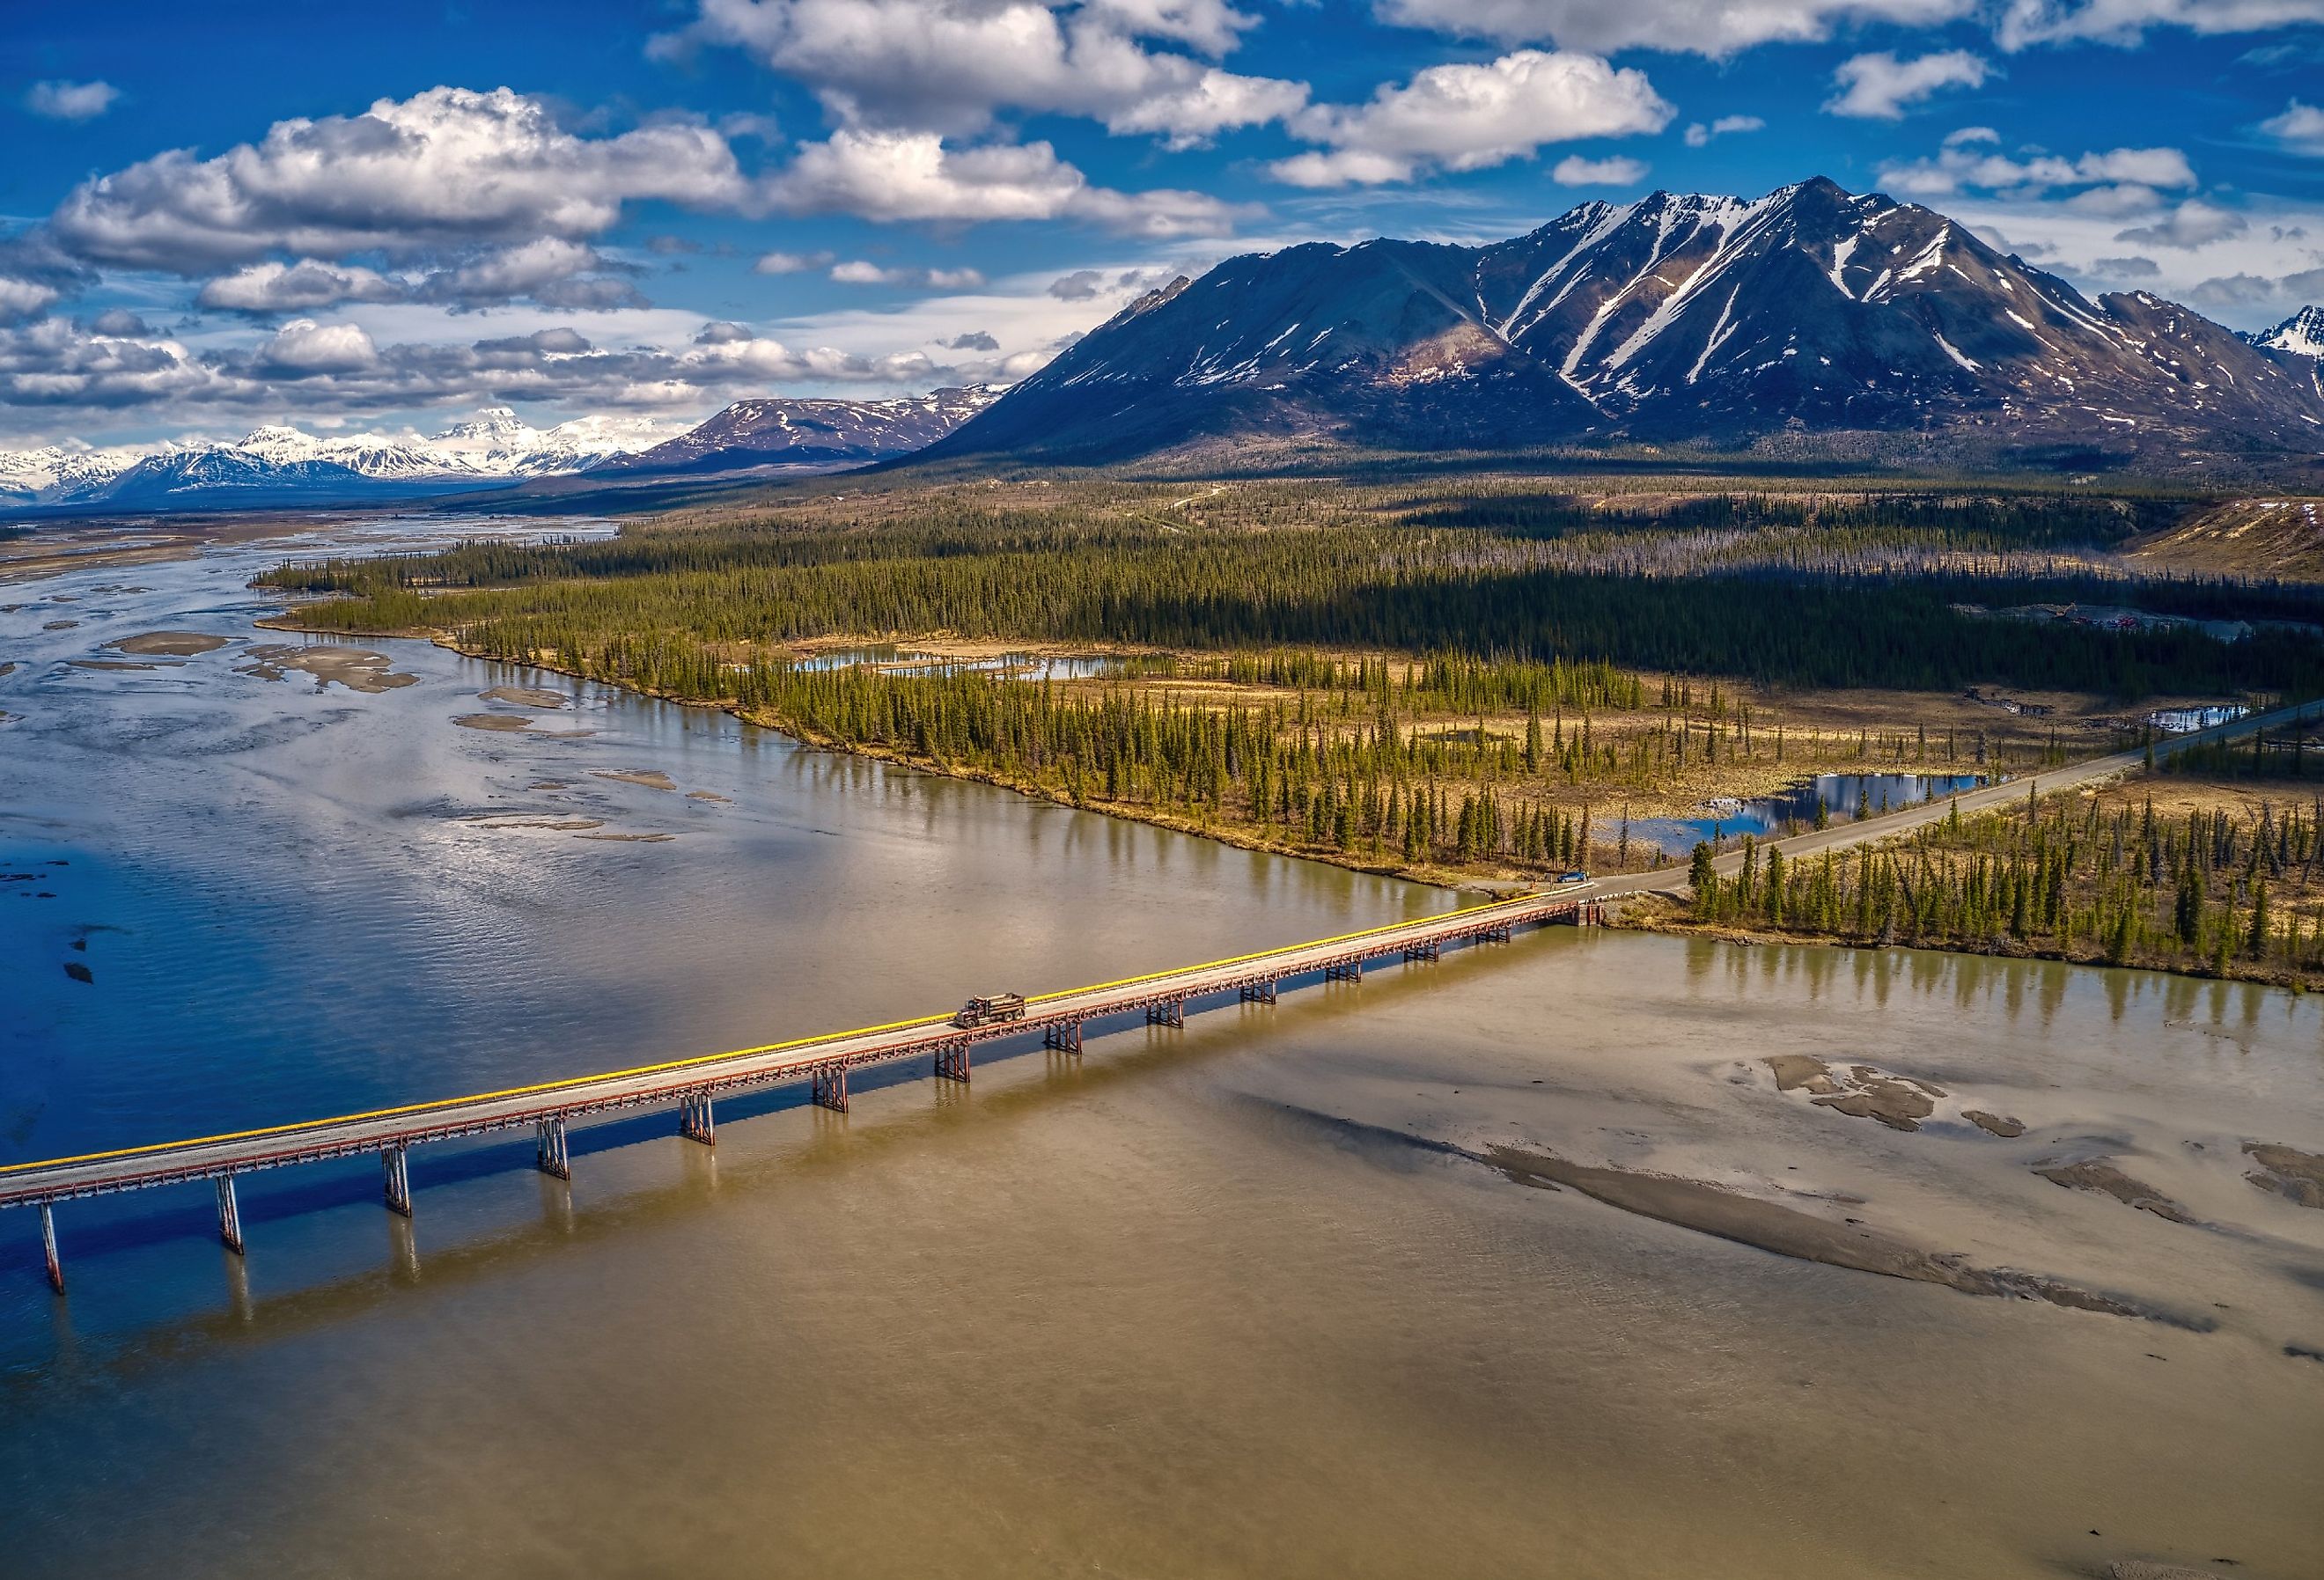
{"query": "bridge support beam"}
(48, 1244)
(1169, 1012)
(695, 1122)
(1351, 971)
(831, 1088)
(229, 1215)
(1498, 933)
(1259, 993)
(1431, 950)
(393, 1165)
(551, 1155)
(1066, 1037)
(952, 1062)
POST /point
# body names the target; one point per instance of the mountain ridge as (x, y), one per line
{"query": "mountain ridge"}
(1680, 317)
(280, 464)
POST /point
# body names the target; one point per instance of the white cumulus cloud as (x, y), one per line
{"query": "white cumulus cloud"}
(949, 66)
(1700, 135)
(2300, 128)
(304, 346)
(2193, 224)
(1463, 117)
(278, 287)
(70, 101)
(1716, 28)
(862, 272)
(1966, 165)
(791, 263)
(1879, 86)
(890, 176)
(449, 165)
(1574, 170)
(2026, 23)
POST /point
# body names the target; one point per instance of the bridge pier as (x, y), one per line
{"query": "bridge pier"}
(549, 1154)
(1259, 993)
(1431, 950)
(48, 1244)
(392, 1163)
(830, 1089)
(1169, 1012)
(229, 1215)
(1066, 1037)
(696, 1122)
(1348, 971)
(1498, 933)
(952, 1062)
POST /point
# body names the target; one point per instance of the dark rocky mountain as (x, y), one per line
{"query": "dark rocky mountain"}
(1675, 318)
(804, 434)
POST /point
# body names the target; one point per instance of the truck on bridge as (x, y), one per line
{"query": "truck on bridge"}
(991, 1010)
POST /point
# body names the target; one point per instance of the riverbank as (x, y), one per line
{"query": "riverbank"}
(1450, 772)
(2213, 874)
(2008, 903)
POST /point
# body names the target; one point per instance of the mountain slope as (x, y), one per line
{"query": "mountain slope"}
(1676, 318)
(811, 434)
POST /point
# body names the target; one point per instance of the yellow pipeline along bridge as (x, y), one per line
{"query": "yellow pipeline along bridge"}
(691, 1083)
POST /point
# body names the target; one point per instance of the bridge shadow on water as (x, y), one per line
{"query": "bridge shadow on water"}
(480, 1251)
(276, 1195)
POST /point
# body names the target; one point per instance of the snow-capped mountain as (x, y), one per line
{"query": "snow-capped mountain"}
(280, 464)
(496, 443)
(2300, 335)
(1678, 317)
(279, 461)
(26, 475)
(813, 433)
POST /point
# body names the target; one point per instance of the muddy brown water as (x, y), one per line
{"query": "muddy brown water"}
(1235, 1299)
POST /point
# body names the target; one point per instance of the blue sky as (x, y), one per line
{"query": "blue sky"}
(384, 216)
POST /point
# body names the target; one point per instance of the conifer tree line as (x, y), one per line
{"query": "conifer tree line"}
(2207, 890)
(1340, 771)
(1050, 576)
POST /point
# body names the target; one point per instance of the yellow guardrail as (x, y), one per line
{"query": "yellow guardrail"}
(160, 1149)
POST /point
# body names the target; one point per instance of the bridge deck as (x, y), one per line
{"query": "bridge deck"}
(681, 1080)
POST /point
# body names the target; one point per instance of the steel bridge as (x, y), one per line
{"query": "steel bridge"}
(690, 1085)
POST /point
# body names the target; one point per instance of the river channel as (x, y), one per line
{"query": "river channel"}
(1247, 1298)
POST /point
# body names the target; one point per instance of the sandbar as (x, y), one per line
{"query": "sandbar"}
(1692, 1204)
(2097, 1175)
(651, 778)
(523, 696)
(504, 722)
(2287, 1171)
(1898, 1102)
(356, 668)
(173, 644)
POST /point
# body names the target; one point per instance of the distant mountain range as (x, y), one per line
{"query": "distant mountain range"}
(812, 434)
(1676, 319)
(278, 465)
(1808, 317)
